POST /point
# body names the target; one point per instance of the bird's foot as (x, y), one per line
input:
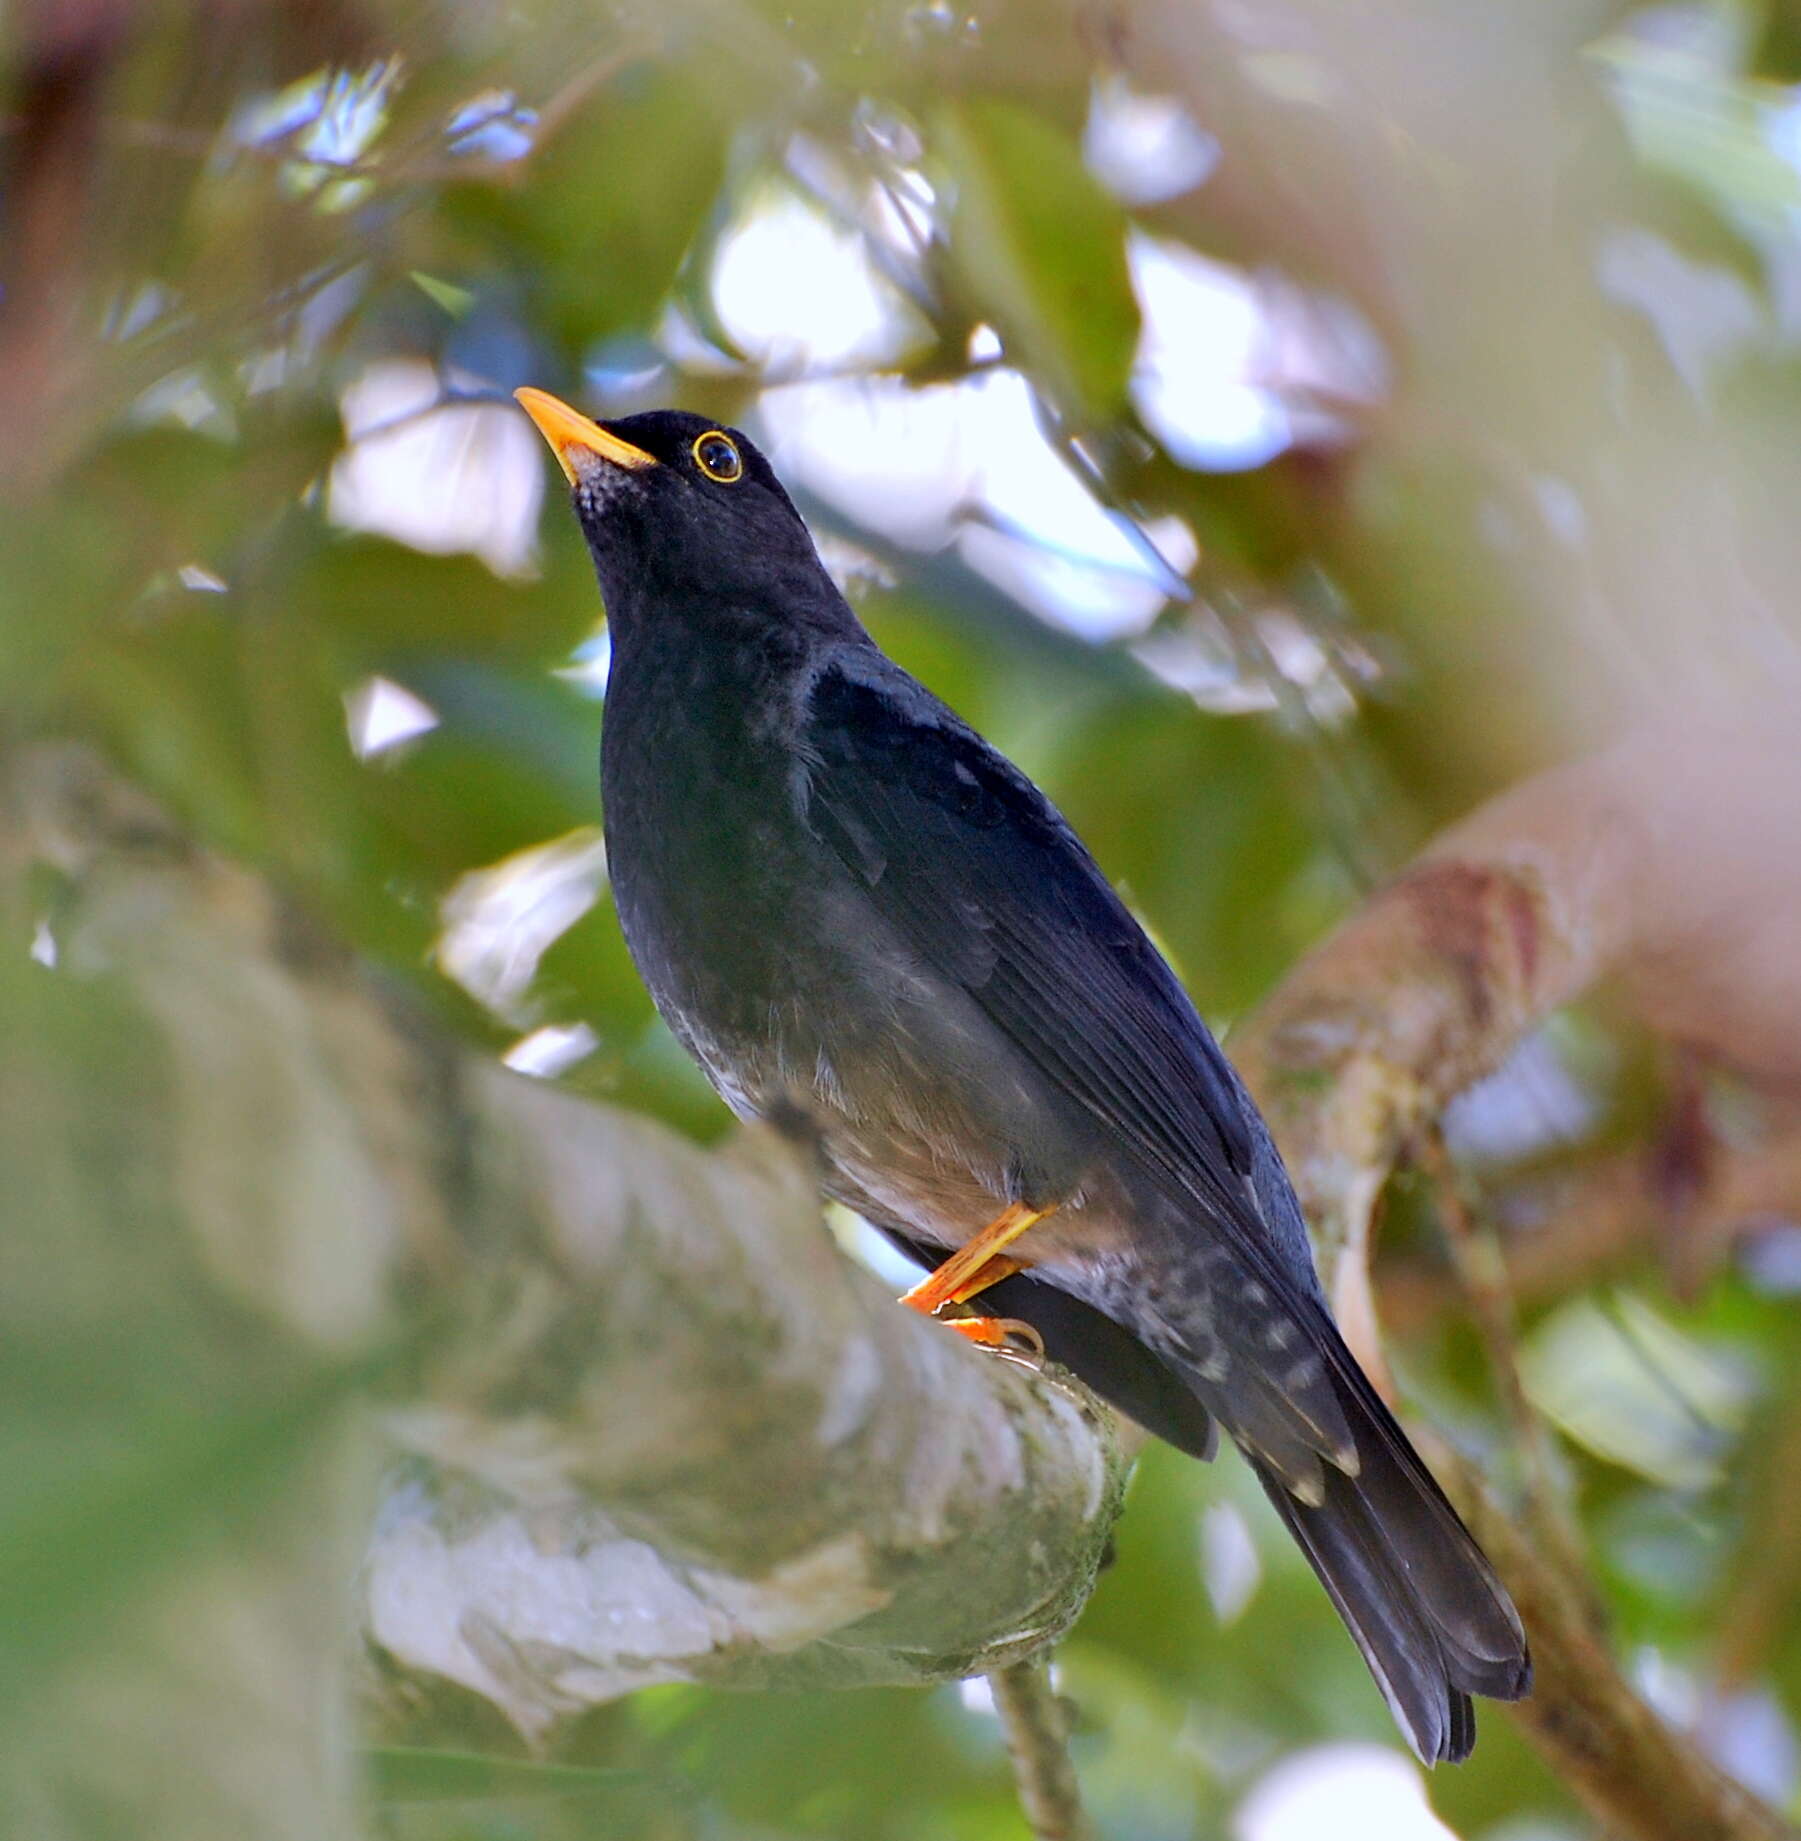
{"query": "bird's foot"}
(976, 1265)
(1002, 1336)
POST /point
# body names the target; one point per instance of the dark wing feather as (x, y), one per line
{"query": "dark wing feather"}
(1433, 1622)
(992, 889)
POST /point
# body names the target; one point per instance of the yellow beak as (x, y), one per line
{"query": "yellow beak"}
(571, 434)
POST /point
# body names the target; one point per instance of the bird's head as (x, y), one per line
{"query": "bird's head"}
(683, 516)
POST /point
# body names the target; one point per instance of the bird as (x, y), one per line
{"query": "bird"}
(850, 908)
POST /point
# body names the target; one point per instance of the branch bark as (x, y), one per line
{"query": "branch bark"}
(682, 1439)
(1636, 1774)
(655, 1426)
(1038, 1742)
(63, 57)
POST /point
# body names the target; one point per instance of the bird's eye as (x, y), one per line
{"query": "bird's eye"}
(718, 458)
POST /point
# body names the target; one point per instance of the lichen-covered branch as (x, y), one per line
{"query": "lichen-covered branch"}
(655, 1426)
(683, 1440)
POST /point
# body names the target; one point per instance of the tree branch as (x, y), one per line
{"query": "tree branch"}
(62, 58)
(681, 1438)
(661, 1428)
(1038, 1743)
(1666, 864)
(1636, 1774)
(1671, 863)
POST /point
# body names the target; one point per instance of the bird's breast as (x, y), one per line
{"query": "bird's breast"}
(706, 867)
(783, 978)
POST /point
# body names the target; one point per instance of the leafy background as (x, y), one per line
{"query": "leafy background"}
(1277, 427)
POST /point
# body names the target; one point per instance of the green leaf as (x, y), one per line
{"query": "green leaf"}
(65, 568)
(1040, 248)
(1634, 1389)
(1208, 835)
(614, 201)
(454, 300)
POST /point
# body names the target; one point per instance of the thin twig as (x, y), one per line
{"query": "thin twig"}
(1611, 1215)
(1476, 1258)
(419, 165)
(1475, 1254)
(1038, 1743)
(1759, 1609)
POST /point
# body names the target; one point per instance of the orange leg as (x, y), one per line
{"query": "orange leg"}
(994, 1332)
(976, 1264)
(991, 1272)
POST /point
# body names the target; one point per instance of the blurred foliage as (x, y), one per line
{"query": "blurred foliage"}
(1040, 249)
(1571, 495)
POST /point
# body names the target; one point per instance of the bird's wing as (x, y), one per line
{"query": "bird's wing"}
(993, 891)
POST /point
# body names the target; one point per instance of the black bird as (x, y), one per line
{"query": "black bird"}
(843, 900)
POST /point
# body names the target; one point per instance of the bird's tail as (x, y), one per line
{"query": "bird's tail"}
(1434, 1623)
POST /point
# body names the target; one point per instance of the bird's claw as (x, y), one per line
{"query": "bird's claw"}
(999, 1336)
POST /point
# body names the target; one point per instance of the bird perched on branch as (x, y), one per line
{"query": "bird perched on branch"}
(843, 900)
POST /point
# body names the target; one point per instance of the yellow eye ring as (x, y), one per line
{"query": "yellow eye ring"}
(718, 458)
